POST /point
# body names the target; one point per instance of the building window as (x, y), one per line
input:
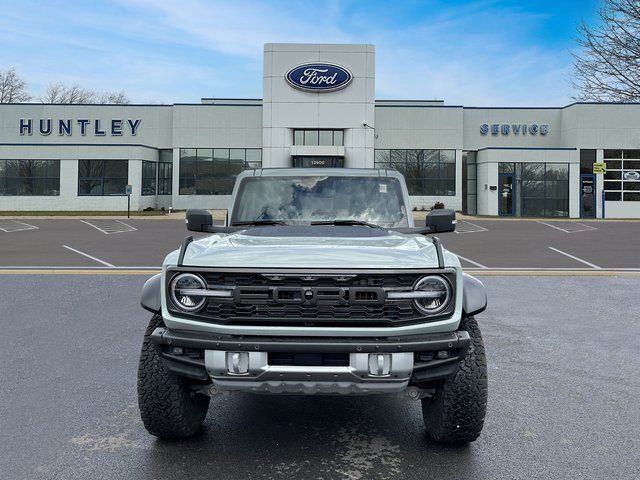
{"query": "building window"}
(213, 171)
(148, 178)
(542, 189)
(165, 172)
(622, 180)
(318, 137)
(103, 177)
(30, 177)
(469, 183)
(165, 178)
(427, 172)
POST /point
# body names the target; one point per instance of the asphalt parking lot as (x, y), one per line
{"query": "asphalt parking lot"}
(481, 244)
(561, 341)
(563, 385)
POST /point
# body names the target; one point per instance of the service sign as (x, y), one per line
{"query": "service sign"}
(514, 129)
(319, 77)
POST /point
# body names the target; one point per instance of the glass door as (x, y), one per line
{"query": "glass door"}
(587, 195)
(506, 193)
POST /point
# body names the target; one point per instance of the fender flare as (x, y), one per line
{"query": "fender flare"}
(474, 296)
(150, 299)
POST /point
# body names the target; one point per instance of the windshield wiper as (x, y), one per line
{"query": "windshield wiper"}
(346, 223)
(259, 222)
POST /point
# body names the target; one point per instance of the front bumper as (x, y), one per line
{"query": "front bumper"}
(371, 365)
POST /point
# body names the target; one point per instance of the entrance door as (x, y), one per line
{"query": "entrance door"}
(506, 192)
(587, 195)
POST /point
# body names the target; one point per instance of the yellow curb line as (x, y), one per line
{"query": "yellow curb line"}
(555, 273)
(48, 271)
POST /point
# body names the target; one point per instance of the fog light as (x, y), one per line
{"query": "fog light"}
(443, 354)
(177, 350)
(238, 363)
(379, 364)
(194, 353)
(425, 356)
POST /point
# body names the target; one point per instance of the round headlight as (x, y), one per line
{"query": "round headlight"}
(432, 294)
(184, 295)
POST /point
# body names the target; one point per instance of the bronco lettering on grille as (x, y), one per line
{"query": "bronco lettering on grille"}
(309, 295)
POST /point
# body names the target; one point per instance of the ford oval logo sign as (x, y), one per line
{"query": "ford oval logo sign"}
(319, 77)
(631, 175)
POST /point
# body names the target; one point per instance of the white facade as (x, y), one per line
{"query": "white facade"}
(350, 109)
(433, 142)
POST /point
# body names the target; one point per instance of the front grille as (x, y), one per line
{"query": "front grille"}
(311, 315)
(342, 300)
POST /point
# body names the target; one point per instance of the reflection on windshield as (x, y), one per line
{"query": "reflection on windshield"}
(316, 198)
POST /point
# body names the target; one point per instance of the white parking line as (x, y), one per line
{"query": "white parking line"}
(9, 226)
(474, 228)
(585, 228)
(110, 226)
(89, 256)
(576, 258)
(470, 261)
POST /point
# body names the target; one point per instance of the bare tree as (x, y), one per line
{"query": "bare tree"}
(61, 93)
(608, 66)
(13, 89)
(114, 97)
(75, 94)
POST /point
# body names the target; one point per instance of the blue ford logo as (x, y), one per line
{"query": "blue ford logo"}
(319, 77)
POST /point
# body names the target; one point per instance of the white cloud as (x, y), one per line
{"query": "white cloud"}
(472, 56)
(179, 51)
(464, 55)
(241, 27)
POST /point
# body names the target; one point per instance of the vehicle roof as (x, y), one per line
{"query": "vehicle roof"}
(334, 172)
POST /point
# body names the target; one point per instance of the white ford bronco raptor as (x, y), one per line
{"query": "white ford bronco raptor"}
(317, 283)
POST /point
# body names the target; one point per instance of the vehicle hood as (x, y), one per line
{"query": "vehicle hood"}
(242, 249)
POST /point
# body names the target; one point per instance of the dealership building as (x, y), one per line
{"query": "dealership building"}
(319, 110)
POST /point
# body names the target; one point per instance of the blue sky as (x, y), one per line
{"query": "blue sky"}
(472, 53)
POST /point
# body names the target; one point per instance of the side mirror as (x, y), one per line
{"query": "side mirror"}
(198, 220)
(442, 220)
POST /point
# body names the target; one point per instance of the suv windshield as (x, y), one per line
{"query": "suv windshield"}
(308, 199)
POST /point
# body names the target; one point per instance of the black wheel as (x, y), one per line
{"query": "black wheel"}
(455, 414)
(168, 405)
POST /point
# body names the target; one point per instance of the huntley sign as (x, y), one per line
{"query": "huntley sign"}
(67, 127)
(319, 77)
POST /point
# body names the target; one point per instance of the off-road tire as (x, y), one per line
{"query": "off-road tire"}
(455, 414)
(168, 405)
